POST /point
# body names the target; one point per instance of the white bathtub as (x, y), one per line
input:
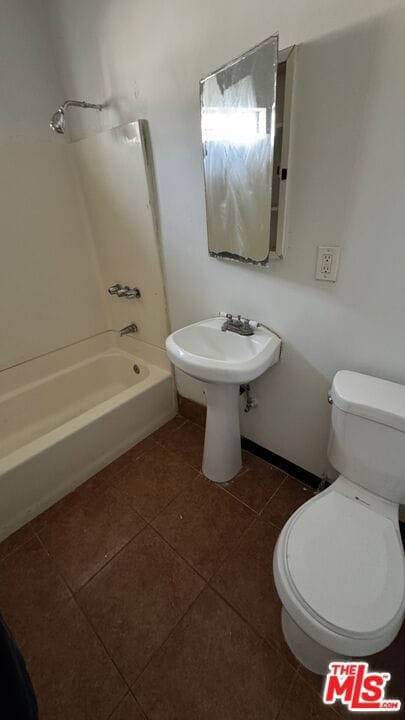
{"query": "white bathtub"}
(66, 415)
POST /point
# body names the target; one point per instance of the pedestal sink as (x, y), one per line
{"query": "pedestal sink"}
(223, 360)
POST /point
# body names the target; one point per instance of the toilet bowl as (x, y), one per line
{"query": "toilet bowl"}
(339, 562)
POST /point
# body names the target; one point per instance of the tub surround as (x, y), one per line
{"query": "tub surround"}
(117, 185)
(49, 282)
(82, 406)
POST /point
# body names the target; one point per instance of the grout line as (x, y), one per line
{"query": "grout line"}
(160, 442)
(287, 695)
(235, 497)
(165, 641)
(105, 650)
(79, 589)
(257, 512)
(176, 551)
(118, 704)
(268, 642)
(138, 706)
(318, 693)
(54, 565)
(272, 496)
(233, 547)
(18, 547)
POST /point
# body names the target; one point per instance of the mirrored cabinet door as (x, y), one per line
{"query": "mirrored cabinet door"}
(245, 154)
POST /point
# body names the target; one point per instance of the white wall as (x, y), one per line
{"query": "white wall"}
(347, 179)
(49, 285)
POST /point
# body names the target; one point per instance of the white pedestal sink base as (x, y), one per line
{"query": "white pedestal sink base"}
(208, 351)
(222, 450)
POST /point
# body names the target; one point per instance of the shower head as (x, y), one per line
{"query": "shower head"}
(58, 123)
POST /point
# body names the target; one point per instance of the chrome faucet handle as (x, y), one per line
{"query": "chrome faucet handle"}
(113, 290)
(133, 293)
(123, 291)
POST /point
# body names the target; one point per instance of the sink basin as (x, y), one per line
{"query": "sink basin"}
(205, 352)
(224, 361)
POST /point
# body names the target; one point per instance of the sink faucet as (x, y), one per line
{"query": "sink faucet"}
(238, 325)
(131, 328)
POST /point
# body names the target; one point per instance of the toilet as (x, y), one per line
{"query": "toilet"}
(339, 561)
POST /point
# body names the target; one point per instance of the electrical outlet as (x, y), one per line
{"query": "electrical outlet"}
(327, 263)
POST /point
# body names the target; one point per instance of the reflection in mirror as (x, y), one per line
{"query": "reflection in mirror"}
(238, 123)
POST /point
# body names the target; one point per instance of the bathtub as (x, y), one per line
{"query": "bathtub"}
(66, 415)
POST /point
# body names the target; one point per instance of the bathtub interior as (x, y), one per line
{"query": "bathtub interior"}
(75, 413)
(36, 408)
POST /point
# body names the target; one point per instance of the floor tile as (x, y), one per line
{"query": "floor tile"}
(188, 442)
(245, 580)
(137, 599)
(72, 674)
(257, 483)
(128, 709)
(15, 541)
(303, 703)
(133, 453)
(213, 667)
(84, 538)
(192, 411)
(166, 430)
(30, 589)
(291, 494)
(81, 494)
(153, 480)
(202, 524)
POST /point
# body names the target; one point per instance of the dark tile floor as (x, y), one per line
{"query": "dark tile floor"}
(148, 593)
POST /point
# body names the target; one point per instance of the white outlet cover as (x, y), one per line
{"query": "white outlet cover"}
(331, 276)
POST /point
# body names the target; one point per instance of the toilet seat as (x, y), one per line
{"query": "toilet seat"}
(354, 605)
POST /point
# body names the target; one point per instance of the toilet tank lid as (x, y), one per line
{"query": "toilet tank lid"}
(369, 397)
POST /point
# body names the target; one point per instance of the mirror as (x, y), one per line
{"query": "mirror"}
(238, 118)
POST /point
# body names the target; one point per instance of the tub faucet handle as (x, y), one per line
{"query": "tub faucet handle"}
(133, 293)
(113, 290)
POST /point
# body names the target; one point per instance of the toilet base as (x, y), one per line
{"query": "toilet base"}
(309, 653)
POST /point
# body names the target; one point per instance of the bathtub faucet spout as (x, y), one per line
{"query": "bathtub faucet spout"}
(131, 328)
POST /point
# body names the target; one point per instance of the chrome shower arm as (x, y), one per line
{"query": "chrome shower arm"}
(80, 103)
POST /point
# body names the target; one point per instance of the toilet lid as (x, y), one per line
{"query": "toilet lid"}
(346, 564)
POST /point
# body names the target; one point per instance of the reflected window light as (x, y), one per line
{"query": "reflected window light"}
(233, 125)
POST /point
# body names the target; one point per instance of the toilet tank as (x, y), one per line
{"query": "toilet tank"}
(367, 434)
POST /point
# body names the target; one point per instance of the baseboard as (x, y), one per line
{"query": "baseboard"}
(289, 467)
